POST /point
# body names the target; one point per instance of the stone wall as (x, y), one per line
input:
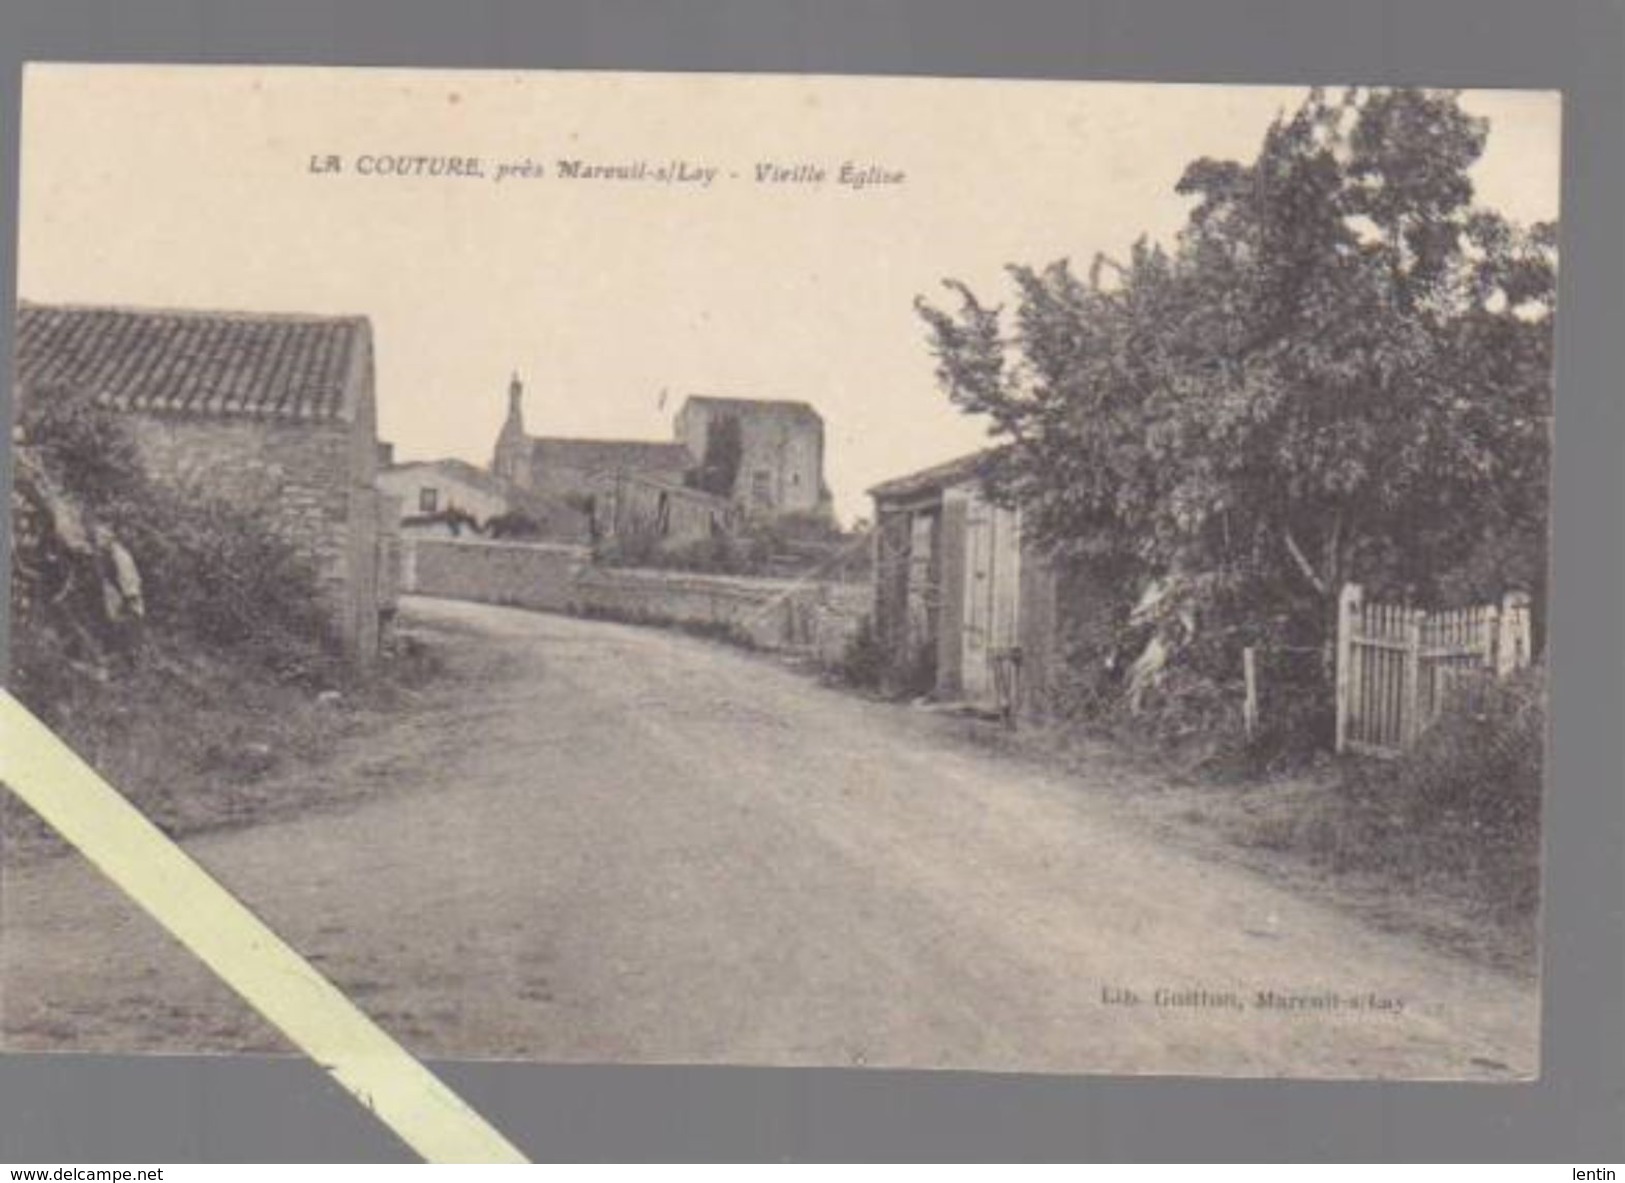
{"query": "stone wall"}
(299, 478)
(812, 618)
(628, 505)
(363, 588)
(389, 555)
(525, 575)
(769, 614)
(836, 619)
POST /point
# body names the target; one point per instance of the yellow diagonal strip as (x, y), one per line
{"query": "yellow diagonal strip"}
(233, 942)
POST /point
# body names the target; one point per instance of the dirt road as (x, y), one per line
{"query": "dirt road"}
(616, 844)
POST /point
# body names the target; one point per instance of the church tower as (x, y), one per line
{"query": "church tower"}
(511, 459)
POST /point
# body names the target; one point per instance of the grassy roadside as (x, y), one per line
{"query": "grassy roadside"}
(201, 740)
(1443, 845)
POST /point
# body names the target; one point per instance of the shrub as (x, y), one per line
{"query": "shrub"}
(1480, 765)
(85, 449)
(863, 662)
(909, 668)
(217, 572)
(210, 570)
(801, 544)
(514, 524)
(1467, 796)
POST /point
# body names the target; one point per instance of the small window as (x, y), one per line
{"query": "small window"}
(428, 500)
(761, 487)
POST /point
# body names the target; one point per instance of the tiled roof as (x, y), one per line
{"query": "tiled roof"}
(940, 476)
(534, 503)
(192, 362)
(665, 483)
(745, 406)
(470, 474)
(610, 456)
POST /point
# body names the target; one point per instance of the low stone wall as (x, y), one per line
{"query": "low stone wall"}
(526, 575)
(837, 618)
(813, 618)
(770, 614)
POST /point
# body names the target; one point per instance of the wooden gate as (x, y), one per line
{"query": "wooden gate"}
(1396, 665)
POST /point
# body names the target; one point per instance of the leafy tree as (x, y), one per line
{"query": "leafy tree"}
(724, 451)
(1339, 370)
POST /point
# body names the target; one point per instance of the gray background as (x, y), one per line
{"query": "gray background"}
(160, 1109)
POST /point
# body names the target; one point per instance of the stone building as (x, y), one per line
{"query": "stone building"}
(634, 503)
(275, 413)
(963, 599)
(428, 488)
(764, 456)
(776, 452)
(575, 468)
(443, 497)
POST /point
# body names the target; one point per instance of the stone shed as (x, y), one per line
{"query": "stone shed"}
(964, 599)
(275, 413)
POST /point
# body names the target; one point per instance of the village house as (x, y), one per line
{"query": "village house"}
(431, 491)
(451, 497)
(274, 413)
(964, 601)
(778, 451)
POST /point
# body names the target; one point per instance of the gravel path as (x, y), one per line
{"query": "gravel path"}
(626, 845)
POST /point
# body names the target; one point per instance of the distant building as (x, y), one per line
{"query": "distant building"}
(636, 503)
(451, 497)
(435, 488)
(574, 468)
(763, 456)
(274, 413)
(774, 449)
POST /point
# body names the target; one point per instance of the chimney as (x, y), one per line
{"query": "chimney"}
(386, 453)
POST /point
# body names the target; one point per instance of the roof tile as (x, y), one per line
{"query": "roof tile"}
(192, 362)
(610, 455)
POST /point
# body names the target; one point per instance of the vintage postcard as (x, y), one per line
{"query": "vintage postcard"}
(776, 570)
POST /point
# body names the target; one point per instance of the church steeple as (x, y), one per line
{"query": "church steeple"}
(511, 458)
(516, 395)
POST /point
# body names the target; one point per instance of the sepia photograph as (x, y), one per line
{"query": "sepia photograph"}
(794, 570)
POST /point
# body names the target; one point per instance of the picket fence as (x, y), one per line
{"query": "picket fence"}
(1396, 665)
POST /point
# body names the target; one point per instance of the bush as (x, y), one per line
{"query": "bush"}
(863, 662)
(217, 572)
(1480, 766)
(909, 668)
(210, 570)
(86, 450)
(1465, 801)
(792, 544)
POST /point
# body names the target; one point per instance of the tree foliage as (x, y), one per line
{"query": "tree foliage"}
(102, 553)
(1339, 370)
(724, 451)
